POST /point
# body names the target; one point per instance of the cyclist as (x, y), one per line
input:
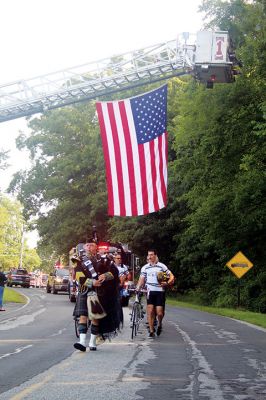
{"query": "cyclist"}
(123, 272)
(155, 290)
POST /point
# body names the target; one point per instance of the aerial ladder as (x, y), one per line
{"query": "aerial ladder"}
(208, 56)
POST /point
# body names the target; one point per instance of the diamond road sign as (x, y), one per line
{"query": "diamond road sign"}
(239, 264)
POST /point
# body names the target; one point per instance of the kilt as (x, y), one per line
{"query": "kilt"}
(81, 307)
(108, 324)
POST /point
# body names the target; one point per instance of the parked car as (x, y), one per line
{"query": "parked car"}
(58, 281)
(17, 277)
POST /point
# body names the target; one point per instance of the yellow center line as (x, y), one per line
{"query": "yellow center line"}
(125, 379)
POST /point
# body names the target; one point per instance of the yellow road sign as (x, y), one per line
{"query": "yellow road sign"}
(239, 264)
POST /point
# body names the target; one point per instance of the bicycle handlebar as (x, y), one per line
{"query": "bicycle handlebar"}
(138, 291)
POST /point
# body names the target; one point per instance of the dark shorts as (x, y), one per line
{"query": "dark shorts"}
(157, 299)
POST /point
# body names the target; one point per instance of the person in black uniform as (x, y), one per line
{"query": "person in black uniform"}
(95, 273)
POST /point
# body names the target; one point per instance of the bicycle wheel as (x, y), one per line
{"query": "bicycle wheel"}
(76, 322)
(138, 318)
(135, 319)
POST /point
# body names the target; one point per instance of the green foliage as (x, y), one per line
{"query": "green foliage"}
(11, 226)
(31, 259)
(11, 223)
(256, 296)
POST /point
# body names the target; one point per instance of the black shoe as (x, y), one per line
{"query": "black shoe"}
(79, 346)
(159, 330)
(93, 348)
(151, 335)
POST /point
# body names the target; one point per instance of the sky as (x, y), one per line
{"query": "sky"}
(42, 36)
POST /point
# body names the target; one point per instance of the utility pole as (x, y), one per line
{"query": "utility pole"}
(21, 248)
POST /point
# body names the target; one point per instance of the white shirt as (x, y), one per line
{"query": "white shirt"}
(122, 269)
(149, 272)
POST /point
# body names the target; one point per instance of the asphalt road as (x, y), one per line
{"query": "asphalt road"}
(34, 337)
(198, 356)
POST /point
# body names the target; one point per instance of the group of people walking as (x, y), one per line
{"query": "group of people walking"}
(100, 281)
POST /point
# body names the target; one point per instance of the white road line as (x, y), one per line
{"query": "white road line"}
(57, 333)
(206, 380)
(18, 350)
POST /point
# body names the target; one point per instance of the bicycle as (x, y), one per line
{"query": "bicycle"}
(137, 313)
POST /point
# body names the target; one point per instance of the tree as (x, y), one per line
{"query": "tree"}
(31, 259)
(11, 223)
(11, 226)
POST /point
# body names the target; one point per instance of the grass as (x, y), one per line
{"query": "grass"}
(11, 296)
(242, 315)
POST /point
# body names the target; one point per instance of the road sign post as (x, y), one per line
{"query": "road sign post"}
(239, 265)
(238, 293)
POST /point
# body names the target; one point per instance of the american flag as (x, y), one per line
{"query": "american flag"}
(134, 142)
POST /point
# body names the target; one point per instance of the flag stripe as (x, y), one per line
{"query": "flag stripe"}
(117, 158)
(107, 160)
(143, 168)
(148, 178)
(154, 175)
(110, 146)
(158, 180)
(161, 148)
(124, 161)
(165, 163)
(136, 158)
